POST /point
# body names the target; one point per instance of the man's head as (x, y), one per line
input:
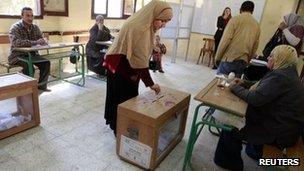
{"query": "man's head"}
(247, 6)
(99, 19)
(27, 15)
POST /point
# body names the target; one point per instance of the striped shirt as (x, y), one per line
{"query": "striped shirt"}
(22, 37)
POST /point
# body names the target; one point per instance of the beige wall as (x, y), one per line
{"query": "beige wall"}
(273, 14)
(80, 19)
(48, 23)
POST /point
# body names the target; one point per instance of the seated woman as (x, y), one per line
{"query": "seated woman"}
(95, 56)
(289, 32)
(275, 112)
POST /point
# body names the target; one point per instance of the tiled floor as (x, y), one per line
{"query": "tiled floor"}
(73, 134)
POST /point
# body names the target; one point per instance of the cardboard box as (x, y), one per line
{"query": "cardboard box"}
(18, 99)
(149, 126)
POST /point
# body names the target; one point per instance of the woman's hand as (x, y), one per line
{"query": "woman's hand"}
(155, 88)
(236, 81)
(282, 25)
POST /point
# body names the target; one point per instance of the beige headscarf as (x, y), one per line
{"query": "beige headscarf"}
(284, 56)
(136, 37)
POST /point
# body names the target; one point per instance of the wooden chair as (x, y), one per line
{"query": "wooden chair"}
(296, 151)
(207, 49)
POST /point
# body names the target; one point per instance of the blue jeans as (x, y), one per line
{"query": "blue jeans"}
(236, 66)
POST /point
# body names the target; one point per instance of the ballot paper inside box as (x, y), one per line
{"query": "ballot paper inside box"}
(149, 126)
(19, 106)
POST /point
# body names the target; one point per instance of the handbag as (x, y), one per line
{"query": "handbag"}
(74, 56)
(152, 64)
(277, 39)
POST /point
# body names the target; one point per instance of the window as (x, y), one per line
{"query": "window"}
(113, 8)
(12, 8)
(141, 4)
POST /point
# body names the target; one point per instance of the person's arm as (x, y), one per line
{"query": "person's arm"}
(145, 76)
(255, 46)
(267, 90)
(103, 35)
(220, 23)
(17, 40)
(226, 39)
(291, 38)
(163, 49)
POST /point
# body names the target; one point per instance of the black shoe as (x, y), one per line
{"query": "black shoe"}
(154, 70)
(214, 67)
(161, 71)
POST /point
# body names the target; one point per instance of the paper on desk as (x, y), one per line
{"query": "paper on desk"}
(229, 119)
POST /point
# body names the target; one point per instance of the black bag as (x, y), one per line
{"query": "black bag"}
(277, 39)
(152, 64)
(74, 57)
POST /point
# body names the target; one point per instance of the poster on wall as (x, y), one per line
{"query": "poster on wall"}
(56, 7)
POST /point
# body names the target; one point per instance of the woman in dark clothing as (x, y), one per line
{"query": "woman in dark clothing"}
(95, 56)
(275, 112)
(221, 24)
(127, 60)
(290, 32)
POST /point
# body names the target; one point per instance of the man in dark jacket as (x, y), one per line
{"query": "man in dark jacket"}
(275, 112)
(95, 54)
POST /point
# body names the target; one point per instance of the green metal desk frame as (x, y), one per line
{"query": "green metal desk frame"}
(60, 56)
(196, 129)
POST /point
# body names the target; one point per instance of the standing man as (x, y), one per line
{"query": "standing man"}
(95, 58)
(26, 34)
(239, 42)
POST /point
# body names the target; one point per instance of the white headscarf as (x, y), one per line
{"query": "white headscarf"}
(293, 19)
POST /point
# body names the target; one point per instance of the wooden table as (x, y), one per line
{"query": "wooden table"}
(218, 98)
(59, 55)
(221, 99)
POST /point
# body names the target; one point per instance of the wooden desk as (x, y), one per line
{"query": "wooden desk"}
(214, 98)
(222, 99)
(60, 55)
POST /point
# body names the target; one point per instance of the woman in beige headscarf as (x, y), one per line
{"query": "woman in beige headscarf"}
(275, 112)
(127, 60)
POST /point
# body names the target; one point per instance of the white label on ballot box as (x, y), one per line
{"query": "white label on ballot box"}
(135, 151)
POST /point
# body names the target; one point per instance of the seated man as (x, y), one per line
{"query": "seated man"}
(275, 112)
(95, 57)
(26, 34)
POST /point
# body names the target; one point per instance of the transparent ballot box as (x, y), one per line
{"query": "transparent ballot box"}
(19, 109)
(168, 133)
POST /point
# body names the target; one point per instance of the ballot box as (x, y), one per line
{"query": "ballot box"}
(19, 108)
(149, 126)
